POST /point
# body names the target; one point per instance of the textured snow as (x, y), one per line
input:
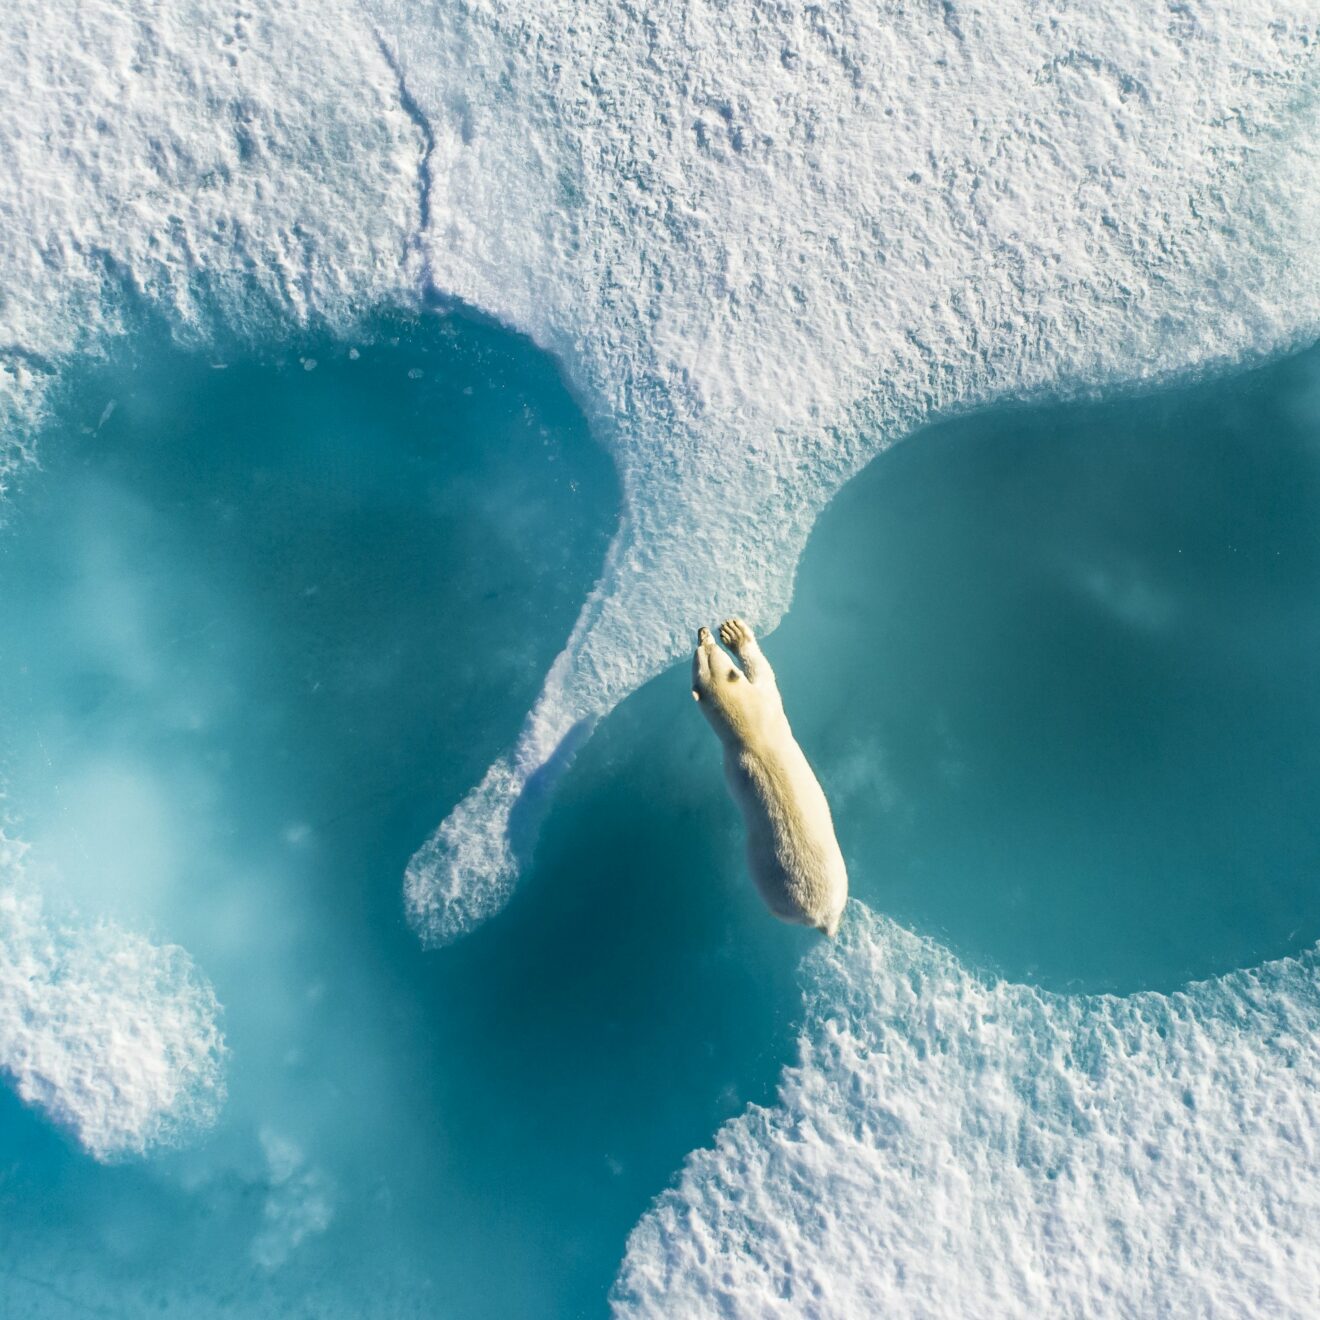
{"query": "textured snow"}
(766, 242)
(947, 1145)
(225, 167)
(116, 1039)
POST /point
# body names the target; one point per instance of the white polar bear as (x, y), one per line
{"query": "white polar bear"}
(791, 849)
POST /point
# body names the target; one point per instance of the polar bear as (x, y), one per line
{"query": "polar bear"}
(791, 849)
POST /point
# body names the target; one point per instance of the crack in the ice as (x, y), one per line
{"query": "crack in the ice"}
(408, 103)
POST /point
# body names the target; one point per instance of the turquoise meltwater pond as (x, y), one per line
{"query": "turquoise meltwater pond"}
(267, 616)
(1060, 668)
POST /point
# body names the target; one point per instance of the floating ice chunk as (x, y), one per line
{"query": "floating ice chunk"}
(117, 1040)
(949, 1145)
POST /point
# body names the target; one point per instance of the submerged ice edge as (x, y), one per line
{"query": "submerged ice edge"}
(115, 1039)
(761, 242)
(947, 1144)
(839, 265)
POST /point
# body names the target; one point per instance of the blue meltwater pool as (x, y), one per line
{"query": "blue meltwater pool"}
(268, 615)
(389, 392)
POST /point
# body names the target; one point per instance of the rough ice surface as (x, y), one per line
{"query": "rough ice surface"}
(228, 167)
(768, 241)
(947, 1145)
(116, 1039)
(764, 242)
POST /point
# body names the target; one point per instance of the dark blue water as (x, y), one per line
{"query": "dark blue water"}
(264, 625)
(1061, 669)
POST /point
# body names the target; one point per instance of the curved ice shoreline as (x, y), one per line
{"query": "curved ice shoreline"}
(947, 1145)
(763, 244)
(762, 257)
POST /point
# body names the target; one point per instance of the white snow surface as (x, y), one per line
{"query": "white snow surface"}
(116, 1039)
(764, 241)
(949, 1145)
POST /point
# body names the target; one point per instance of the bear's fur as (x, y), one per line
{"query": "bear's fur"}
(792, 852)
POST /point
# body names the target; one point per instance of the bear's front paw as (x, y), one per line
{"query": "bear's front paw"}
(735, 634)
